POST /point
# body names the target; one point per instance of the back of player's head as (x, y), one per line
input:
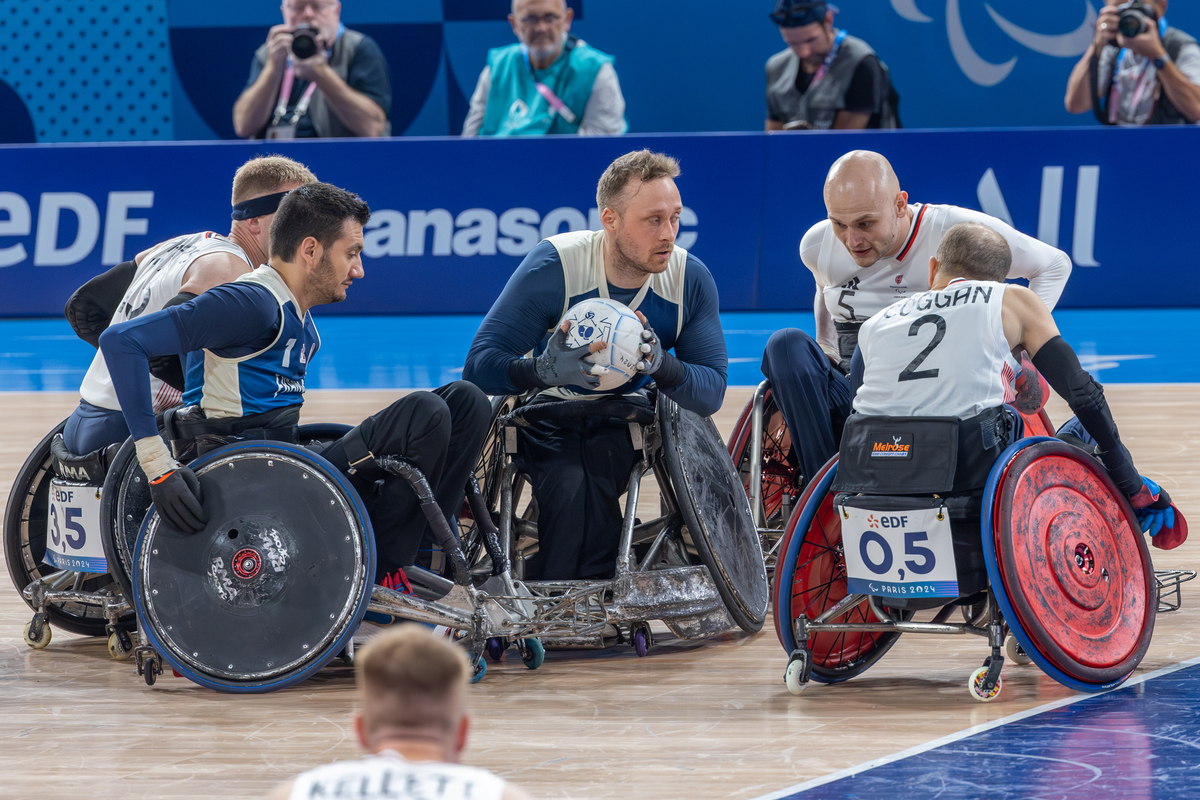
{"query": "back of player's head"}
(263, 175)
(641, 164)
(974, 251)
(319, 210)
(411, 681)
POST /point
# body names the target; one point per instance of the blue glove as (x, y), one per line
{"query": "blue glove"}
(1155, 511)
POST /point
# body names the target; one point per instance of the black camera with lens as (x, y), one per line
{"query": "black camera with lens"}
(1135, 17)
(304, 42)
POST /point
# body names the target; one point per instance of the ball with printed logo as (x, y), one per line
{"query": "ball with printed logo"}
(613, 323)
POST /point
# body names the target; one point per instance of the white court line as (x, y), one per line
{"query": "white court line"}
(954, 737)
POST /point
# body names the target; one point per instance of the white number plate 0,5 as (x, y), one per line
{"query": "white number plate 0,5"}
(899, 553)
(73, 528)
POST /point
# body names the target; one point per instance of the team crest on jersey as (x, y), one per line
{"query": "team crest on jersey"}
(892, 446)
(898, 279)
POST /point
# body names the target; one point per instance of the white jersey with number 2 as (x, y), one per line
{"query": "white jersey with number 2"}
(937, 354)
(388, 776)
(155, 283)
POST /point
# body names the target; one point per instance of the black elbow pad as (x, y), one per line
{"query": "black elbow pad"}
(90, 309)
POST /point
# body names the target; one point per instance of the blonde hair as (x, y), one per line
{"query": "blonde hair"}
(263, 175)
(410, 679)
(641, 164)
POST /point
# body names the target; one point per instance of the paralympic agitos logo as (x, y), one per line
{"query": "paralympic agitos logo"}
(985, 73)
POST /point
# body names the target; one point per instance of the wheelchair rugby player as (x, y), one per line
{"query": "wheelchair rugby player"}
(935, 503)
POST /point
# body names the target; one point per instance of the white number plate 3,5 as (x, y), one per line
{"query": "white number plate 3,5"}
(73, 528)
(899, 553)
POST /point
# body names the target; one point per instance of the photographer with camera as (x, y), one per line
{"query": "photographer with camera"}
(315, 78)
(1138, 70)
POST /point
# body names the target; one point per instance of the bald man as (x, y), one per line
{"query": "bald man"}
(550, 82)
(413, 721)
(873, 250)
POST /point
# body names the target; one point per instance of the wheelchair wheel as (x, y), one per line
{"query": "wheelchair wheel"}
(25, 543)
(811, 578)
(1068, 564)
(715, 511)
(780, 479)
(274, 586)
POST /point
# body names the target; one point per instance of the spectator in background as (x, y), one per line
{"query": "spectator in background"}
(825, 78)
(551, 82)
(343, 88)
(1152, 78)
(413, 722)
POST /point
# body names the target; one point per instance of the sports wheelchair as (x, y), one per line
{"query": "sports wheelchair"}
(1069, 582)
(761, 449)
(697, 567)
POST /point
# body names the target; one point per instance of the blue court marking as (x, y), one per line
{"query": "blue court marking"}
(421, 352)
(1139, 741)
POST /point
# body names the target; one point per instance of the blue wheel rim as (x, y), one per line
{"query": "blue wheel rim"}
(787, 566)
(331, 652)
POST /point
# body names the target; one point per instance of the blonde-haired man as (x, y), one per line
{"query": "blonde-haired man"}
(413, 722)
(579, 469)
(165, 275)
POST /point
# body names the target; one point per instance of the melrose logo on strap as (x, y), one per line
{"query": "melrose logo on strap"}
(985, 73)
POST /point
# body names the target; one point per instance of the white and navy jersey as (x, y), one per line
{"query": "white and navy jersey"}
(850, 293)
(155, 283)
(261, 373)
(388, 775)
(937, 354)
(680, 303)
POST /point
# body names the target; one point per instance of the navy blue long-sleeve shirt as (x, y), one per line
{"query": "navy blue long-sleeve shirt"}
(533, 302)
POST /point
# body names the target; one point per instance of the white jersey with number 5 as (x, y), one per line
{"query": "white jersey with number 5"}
(155, 283)
(937, 354)
(388, 775)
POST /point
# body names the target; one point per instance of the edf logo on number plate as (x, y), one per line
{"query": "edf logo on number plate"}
(899, 554)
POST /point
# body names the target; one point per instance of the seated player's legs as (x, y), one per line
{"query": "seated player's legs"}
(578, 471)
(90, 427)
(441, 433)
(813, 395)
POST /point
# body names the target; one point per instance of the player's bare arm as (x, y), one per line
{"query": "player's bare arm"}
(212, 270)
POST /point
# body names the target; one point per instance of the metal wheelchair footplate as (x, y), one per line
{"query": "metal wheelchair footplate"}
(1168, 582)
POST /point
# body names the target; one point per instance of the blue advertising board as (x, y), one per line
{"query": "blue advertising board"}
(452, 218)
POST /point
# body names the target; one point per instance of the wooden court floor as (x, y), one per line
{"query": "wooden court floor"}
(695, 720)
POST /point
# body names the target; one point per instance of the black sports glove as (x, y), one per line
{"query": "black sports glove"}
(179, 500)
(565, 366)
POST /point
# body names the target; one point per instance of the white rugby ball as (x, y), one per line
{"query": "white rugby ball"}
(613, 323)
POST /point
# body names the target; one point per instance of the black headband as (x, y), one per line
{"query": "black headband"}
(259, 206)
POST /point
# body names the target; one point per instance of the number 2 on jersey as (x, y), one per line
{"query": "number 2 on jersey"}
(910, 373)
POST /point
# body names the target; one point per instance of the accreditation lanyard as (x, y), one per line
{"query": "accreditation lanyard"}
(833, 53)
(285, 93)
(547, 93)
(1144, 81)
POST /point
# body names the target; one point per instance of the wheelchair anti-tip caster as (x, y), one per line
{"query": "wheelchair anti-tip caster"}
(642, 640)
(532, 652)
(120, 646)
(1016, 653)
(149, 663)
(798, 672)
(37, 632)
(496, 646)
(479, 671)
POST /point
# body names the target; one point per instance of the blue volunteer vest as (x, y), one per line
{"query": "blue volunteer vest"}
(515, 108)
(263, 381)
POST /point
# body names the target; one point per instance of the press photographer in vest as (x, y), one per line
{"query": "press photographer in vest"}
(549, 82)
(314, 77)
(825, 78)
(1138, 69)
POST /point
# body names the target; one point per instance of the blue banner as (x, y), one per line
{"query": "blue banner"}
(452, 219)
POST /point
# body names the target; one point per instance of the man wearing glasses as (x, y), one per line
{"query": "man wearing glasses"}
(315, 78)
(825, 78)
(550, 82)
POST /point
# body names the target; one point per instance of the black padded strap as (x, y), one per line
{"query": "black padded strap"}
(356, 450)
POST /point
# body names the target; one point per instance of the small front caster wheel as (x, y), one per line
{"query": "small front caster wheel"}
(119, 645)
(39, 639)
(480, 670)
(976, 686)
(496, 647)
(641, 639)
(150, 671)
(532, 653)
(797, 674)
(1016, 653)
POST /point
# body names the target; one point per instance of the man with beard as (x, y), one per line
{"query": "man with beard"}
(258, 337)
(873, 250)
(580, 468)
(551, 82)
